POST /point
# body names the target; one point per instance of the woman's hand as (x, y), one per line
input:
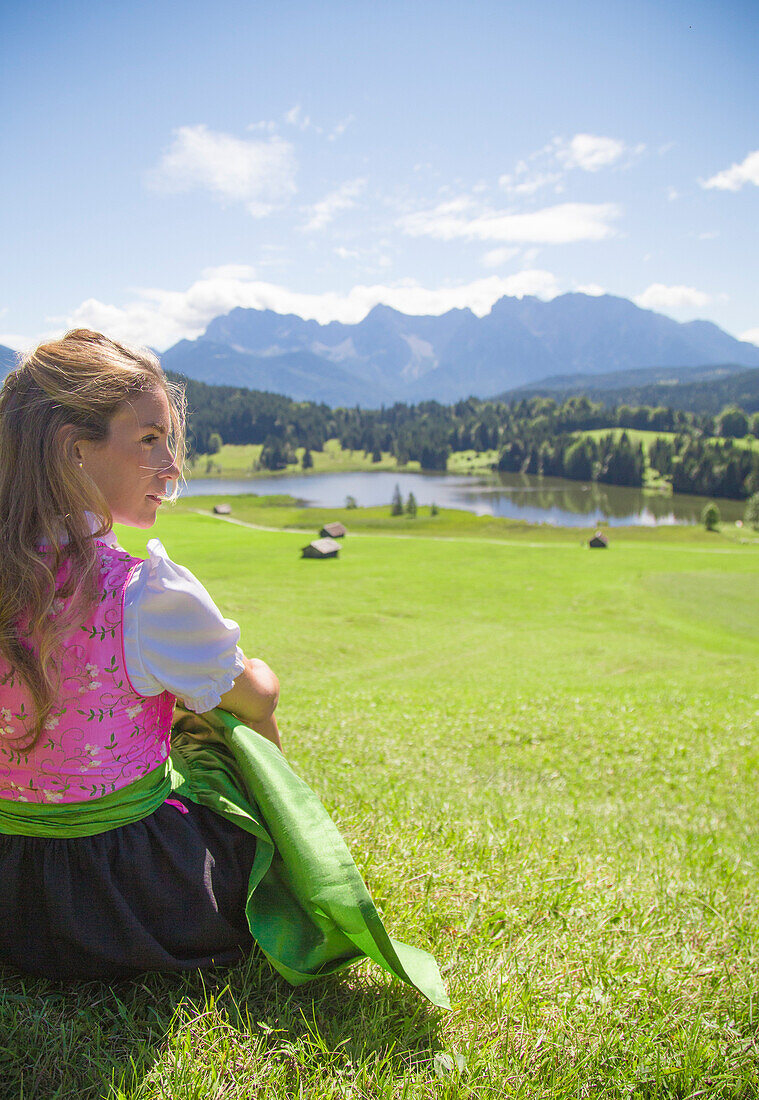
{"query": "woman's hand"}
(253, 699)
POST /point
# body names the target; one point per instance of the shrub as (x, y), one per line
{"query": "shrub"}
(351, 502)
(710, 516)
(214, 443)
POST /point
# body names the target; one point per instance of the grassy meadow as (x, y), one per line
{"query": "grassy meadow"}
(243, 459)
(545, 760)
(647, 438)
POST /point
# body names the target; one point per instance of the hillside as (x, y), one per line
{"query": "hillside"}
(699, 391)
(391, 356)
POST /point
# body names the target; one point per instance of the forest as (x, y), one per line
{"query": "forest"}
(699, 452)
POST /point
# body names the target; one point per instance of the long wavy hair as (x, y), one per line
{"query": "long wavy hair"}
(64, 391)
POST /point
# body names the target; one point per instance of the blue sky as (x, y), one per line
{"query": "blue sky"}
(163, 163)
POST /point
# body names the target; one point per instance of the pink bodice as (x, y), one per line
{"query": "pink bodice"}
(101, 735)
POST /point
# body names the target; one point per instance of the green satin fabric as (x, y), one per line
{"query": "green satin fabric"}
(308, 908)
(96, 815)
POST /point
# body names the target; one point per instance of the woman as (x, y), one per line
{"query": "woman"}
(124, 846)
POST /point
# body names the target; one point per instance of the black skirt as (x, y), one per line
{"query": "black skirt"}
(164, 893)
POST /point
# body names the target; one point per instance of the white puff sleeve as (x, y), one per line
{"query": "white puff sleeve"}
(175, 637)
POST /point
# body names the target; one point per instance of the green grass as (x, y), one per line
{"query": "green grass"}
(469, 462)
(284, 512)
(241, 460)
(637, 435)
(545, 760)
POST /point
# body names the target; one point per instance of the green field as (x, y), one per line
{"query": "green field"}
(545, 760)
(242, 460)
(647, 438)
(284, 512)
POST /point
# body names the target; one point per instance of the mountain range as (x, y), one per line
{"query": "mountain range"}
(574, 343)
(391, 356)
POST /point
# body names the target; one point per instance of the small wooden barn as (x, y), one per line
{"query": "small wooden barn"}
(333, 531)
(222, 509)
(598, 542)
(321, 548)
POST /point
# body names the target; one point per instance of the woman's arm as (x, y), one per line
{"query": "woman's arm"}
(253, 699)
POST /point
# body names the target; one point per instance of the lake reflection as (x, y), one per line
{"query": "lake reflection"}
(516, 496)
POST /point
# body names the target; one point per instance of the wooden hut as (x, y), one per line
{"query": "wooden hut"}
(321, 548)
(333, 531)
(598, 542)
(222, 509)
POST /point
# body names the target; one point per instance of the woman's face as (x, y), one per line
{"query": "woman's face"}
(132, 466)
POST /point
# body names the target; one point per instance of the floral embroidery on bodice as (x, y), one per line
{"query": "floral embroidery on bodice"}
(101, 735)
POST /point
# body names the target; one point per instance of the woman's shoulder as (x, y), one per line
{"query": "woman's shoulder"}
(170, 599)
(159, 575)
(175, 637)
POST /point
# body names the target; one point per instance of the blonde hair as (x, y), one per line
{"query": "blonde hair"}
(63, 391)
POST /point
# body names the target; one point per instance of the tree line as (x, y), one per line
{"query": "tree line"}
(535, 435)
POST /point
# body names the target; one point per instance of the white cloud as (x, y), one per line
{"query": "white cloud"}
(340, 128)
(258, 173)
(14, 340)
(673, 194)
(590, 152)
(591, 289)
(562, 224)
(342, 198)
(751, 335)
(734, 177)
(548, 166)
(161, 317)
(498, 256)
(658, 296)
(518, 185)
(268, 125)
(296, 117)
(229, 271)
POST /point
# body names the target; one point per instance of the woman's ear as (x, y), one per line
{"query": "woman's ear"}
(70, 446)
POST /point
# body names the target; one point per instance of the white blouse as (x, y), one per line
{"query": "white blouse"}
(175, 637)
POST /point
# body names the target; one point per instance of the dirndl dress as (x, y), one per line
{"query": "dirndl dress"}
(242, 853)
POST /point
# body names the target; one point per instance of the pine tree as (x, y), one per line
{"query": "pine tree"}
(396, 508)
(710, 516)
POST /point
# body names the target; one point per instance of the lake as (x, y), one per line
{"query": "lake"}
(515, 496)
